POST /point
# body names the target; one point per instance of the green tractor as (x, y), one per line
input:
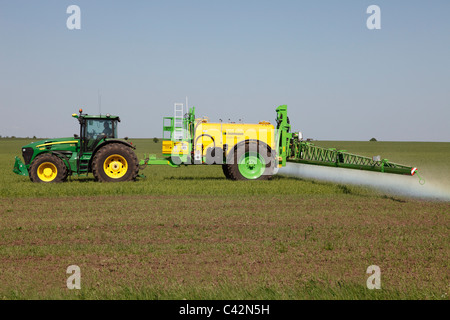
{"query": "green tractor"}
(95, 150)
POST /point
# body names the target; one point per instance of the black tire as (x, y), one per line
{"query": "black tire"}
(48, 160)
(261, 149)
(115, 149)
(226, 172)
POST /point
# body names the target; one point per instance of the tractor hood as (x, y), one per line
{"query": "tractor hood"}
(51, 143)
(61, 145)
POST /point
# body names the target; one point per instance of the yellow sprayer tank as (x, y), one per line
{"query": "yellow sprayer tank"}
(227, 135)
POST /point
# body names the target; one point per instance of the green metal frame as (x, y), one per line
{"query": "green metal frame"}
(284, 136)
(308, 153)
(188, 125)
(291, 149)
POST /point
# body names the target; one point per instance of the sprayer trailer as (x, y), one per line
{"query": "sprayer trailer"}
(245, 151)
(252, 151)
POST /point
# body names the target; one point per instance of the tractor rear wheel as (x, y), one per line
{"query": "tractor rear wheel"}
(115, 162)
(48, 168)
(251, 161)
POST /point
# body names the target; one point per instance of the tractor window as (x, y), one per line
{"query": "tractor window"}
(98, 129)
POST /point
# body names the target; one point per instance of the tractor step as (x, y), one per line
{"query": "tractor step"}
(83, 167)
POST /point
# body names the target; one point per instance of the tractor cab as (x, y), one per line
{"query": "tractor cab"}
(95, 129)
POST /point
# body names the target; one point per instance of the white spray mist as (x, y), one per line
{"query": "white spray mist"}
(389, 183)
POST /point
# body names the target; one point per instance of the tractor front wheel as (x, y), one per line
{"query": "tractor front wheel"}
(115, 162)
(48, 168)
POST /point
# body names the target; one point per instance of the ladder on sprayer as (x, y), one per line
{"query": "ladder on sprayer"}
(179, 132)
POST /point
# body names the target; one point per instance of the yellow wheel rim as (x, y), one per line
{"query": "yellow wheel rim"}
(115, 166)
(47, 171)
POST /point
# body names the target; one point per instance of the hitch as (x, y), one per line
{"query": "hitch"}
(19, 168)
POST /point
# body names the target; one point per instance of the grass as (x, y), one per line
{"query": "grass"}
(188, 233)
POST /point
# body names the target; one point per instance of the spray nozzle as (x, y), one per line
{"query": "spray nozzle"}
(421, 180)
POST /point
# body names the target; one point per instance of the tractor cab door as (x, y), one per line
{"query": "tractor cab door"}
(95, 130)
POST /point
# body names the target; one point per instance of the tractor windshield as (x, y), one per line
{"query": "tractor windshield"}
(98, 129)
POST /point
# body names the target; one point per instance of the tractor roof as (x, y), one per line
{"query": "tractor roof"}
(96, 117)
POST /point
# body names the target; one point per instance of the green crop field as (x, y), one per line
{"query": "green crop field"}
(188, 233)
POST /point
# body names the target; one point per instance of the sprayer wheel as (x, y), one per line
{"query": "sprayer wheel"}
(226, 171)
(250, 161)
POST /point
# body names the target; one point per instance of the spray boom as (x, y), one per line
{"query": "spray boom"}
(293, 149)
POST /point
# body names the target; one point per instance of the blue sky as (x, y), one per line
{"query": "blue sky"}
(234, 60)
